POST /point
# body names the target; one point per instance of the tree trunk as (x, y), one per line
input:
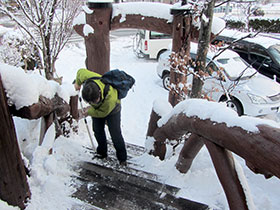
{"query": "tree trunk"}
(14, 188)
(203, 46)
(47, 37)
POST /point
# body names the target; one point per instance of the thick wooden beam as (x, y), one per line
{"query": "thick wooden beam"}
(35, 111)
(226, 171)
(43, 108)
(137, 22)
(142, 22)
(261, 149)
(154, 117)
(14, 188)
(79, 29)
(145, 23)
(189, 151)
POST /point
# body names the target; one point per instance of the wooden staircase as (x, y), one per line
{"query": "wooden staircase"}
(106, 185)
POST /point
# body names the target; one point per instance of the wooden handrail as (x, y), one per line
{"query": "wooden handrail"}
(260, 149)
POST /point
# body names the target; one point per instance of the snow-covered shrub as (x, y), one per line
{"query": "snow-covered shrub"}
(261, 24)
(233, 24)
(265, 25)
(17, 50)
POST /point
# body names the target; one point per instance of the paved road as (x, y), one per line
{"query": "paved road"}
(123, 32)
(113, 34)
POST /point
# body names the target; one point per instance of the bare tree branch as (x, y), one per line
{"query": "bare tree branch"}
(222, 3)
(48, 24)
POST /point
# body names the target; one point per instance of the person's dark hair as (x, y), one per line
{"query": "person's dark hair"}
(91, 91)
(86, 62)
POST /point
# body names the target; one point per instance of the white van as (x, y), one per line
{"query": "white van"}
(150, 44)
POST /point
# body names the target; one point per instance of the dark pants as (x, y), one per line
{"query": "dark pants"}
(113, 122)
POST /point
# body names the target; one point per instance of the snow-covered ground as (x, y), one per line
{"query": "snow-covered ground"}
(51, 181)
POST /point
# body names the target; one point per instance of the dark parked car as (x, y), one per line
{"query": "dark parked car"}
(262, 52)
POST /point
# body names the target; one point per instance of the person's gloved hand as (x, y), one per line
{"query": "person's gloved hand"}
(77, 87)
(83, 112)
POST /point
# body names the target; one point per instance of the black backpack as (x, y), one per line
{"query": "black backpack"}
(119, 80)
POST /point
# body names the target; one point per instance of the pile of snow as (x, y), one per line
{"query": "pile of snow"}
(216, 112)
(259, 39)
(17, 83)
(149, 9)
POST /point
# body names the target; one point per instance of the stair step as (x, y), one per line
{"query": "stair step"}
(133, 177)
(104, 184)
(109, 188)
(132, 150)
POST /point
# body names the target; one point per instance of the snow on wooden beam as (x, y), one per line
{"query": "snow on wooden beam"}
(142, 22)
(223, 132)
(189, 151)
(132, 21)
(225, 167)
(44, 107)
(261, 148)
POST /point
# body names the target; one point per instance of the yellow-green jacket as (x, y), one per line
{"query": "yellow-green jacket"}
(106, 106)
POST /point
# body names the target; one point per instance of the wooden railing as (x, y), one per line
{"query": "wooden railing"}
(14, 188)
(260, 148)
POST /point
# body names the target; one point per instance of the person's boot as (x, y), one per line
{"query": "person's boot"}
(123, 163)
(99, 156)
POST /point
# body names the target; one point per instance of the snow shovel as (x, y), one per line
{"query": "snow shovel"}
(90, 137)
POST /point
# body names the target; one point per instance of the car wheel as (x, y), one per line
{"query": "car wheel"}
(235, 105)
(166, 81)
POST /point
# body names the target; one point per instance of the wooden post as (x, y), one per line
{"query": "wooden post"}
(74, 107)
(154, 118)
(181, 36)
(46, 122)
(14, 188)
(189, 151)
(98, 42)
(225, 168)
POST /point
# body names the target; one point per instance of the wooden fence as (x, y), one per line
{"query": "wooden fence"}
(14, 188)
(259, 149)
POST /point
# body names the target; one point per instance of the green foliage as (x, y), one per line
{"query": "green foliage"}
(256, 24)
(265, 25)
(232, 24)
